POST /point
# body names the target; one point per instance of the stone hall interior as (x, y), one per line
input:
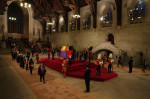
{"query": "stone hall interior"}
(48, 46)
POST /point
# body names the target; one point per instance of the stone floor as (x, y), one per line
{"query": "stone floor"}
(12, 85)
(16, 83)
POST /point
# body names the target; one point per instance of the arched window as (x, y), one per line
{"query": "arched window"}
(137, 13)
(15, 19)
(73, 25)
(106, 18)
(87, 23)
(62, 24)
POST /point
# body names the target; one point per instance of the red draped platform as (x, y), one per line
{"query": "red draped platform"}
(78, 68)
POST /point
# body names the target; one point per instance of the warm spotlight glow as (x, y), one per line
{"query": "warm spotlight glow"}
(29, 5)
(26, 5)
(102, 18)
(21, 4)
(76, 16)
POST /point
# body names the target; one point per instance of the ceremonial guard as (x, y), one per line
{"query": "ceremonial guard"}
(99, 63)
(64, 67)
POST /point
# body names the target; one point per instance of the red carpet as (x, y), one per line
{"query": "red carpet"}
(78, 68)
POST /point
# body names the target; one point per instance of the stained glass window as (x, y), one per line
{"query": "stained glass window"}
(87, 23)
(106, 19)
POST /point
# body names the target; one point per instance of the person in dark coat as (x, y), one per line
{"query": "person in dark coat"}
(53, 54)
(130, 65)
(22, 61)
(41, 72)
(31, 65)
(32, 47)
(87, 78)
(28, 55)
(85, 55)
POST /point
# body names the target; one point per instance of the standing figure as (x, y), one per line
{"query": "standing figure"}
(27, 63)
(144, 65)
(104, 60)
(32, 47)
(119, 62)
(53, 54)
(87, 78)
(64, 68)
(70, 56)
(98, 69)
(90, 55)
(22, 61)
(42, 72)
(109, 65)
(48, 53)
(130, 65)
(28, 55)
(110, 61)
(37, 57)
(31, 65)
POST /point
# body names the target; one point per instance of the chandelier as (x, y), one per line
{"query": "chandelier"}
(13, 18)
(25, 4)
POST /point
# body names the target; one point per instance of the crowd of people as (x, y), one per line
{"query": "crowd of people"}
(25, 61)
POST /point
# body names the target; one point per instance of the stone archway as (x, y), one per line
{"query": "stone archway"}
(107, 46)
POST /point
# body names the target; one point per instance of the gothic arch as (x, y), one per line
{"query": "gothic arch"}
(103, 10)
(106, 46)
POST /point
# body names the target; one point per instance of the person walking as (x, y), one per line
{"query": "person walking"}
(42, 72)
(130, 64)
(28, 55)
(31, 65)
(87, 78)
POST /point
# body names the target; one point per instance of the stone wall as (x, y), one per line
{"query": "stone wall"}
(132, 39)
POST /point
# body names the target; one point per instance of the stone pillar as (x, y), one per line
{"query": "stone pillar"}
(147, 10)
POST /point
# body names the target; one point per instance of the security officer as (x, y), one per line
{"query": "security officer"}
(87, 78)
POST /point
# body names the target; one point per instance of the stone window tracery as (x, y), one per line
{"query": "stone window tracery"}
(137, 13)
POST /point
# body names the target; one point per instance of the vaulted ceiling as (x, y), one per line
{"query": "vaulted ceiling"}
(46, 10)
